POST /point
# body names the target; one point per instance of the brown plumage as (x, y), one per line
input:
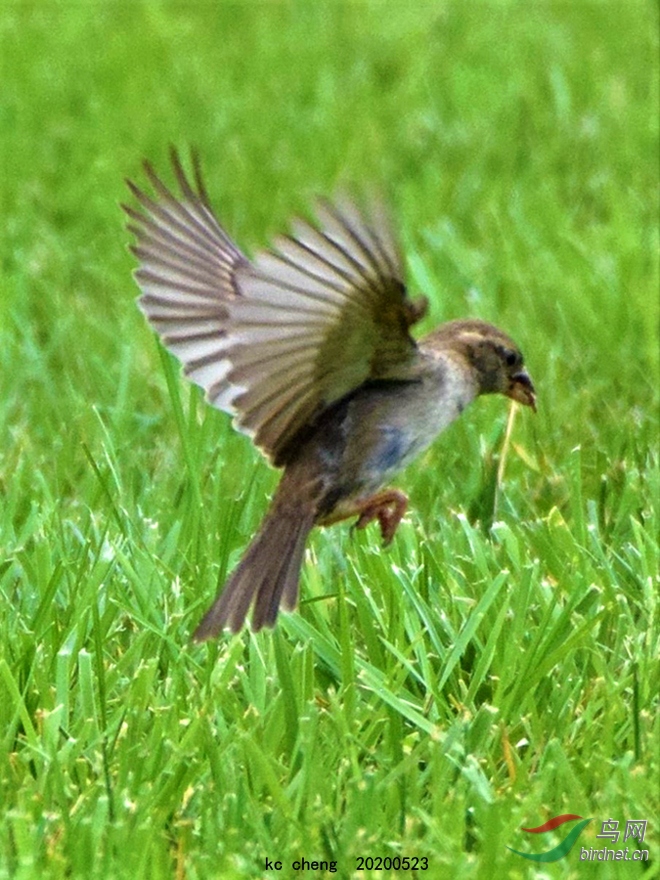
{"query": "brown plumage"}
(308, 347)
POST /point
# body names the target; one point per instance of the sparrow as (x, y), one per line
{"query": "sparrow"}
(308, 346)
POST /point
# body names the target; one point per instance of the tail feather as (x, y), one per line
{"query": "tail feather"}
(281, 584)
(269, 571)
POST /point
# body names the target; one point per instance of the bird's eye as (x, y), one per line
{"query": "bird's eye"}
(511, 358)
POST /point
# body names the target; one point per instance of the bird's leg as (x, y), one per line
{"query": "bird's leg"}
(388, 507)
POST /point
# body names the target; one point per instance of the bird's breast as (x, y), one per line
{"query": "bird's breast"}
(363, 441)
(389, 427)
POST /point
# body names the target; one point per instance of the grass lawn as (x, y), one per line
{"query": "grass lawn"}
(498, 665)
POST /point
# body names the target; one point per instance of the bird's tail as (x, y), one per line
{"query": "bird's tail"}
(268, 573)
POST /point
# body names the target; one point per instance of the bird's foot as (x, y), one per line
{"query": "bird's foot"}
(388, 507)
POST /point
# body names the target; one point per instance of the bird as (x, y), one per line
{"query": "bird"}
(308, 346)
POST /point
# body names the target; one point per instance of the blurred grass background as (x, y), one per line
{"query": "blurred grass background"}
(498, 665)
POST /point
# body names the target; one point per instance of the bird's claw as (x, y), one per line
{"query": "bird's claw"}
(388, 508)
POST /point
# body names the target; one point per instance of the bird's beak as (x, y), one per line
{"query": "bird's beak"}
(522, 390)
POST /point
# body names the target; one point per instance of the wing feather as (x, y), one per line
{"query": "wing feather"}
(278, 340)
(186, 274)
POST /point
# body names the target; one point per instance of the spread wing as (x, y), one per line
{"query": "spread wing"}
(277, 340)
(186, 274)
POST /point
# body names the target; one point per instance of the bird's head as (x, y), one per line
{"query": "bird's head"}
(495, 359)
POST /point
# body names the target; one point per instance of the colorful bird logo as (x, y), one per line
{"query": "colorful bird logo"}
(559, 851)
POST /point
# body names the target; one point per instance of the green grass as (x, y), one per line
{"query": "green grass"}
(496, 666)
